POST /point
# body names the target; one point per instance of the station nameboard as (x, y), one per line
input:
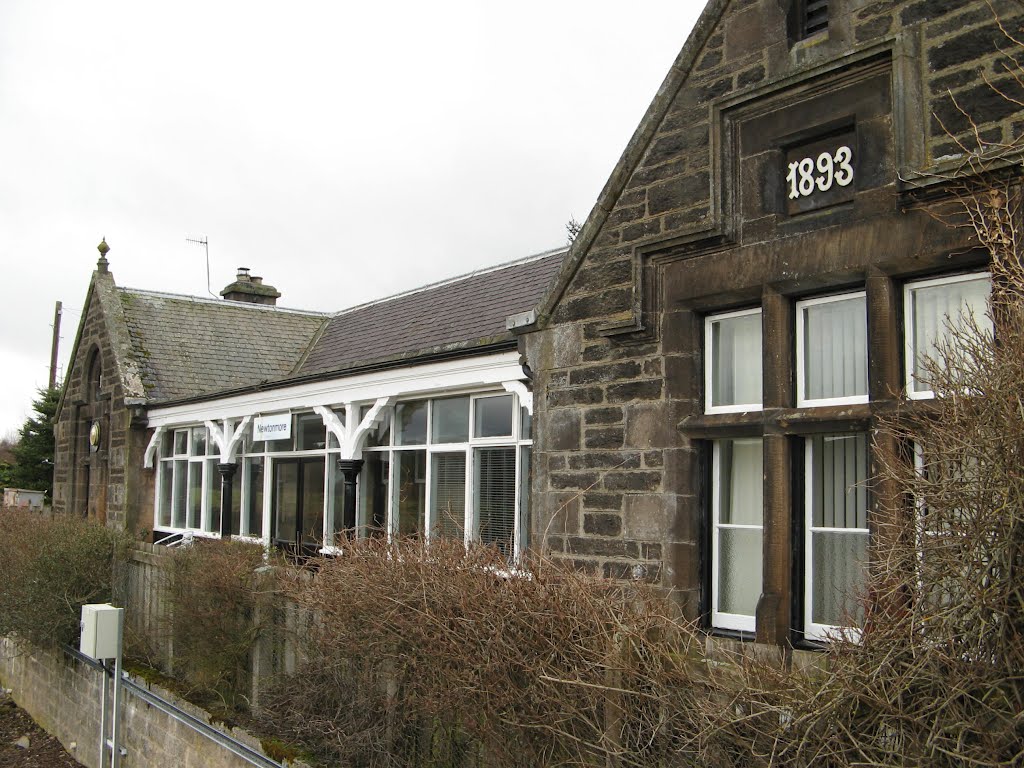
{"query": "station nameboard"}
(276, 426)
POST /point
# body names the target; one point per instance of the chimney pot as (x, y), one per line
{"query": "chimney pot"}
(250, 289)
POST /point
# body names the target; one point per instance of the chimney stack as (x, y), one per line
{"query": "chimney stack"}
(250, 289)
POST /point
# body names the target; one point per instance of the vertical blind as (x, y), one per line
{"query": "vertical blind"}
(739, 480)
(838, 533)
(936, 309)
(835, 354)
(736, 360)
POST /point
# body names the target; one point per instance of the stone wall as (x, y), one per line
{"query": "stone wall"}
(95, 482)
(62, 694)
(618, 486)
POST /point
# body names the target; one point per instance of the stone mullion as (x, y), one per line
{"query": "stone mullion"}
(885, 381)
(885, 342)
(774, 615)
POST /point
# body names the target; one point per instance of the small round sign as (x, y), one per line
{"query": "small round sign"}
(94, 435)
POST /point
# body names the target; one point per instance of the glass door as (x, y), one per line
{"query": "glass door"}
(298, 504)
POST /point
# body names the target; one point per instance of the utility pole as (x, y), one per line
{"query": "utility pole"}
(57, 312)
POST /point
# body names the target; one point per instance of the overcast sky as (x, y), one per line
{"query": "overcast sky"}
(344, 151)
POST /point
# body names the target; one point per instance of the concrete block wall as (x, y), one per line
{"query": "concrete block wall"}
(63, 695)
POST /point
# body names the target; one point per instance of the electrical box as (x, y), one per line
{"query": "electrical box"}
(100, 631)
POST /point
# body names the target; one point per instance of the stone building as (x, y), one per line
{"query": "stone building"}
(757, 283)
(705, 367)
(186, 416)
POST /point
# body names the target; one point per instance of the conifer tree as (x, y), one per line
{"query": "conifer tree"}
(33, 468)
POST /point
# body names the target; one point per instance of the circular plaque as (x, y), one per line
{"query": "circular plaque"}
(94, 435)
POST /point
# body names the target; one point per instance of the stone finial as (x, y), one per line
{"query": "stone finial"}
(103, 248)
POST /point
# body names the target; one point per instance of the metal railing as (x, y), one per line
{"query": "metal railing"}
(233, 745)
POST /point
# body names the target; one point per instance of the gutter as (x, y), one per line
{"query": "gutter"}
(267, 386)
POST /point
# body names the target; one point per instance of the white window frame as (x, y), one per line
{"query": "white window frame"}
(909, 353)
(814, 630)
(709, 322)
(193, 462)
(801, 373)
(721, 619)
(269, 459)
(471, 525)
(245, 490)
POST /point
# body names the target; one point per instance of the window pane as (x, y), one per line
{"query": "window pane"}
(495, 496)
(180, 492)
(411, 420)
(448, 493)
(735, 349)
(213, 481)
(375, 493)
(838, 536)
(493, 416)
(254, 502)
(236, 500)
(313, 476)
(835, 359)
(739, 570)
(336, 501)
(450, 420)
(198, 441)
(247, 442)
(526, 425)
(410, 473)
(286, 495)
(310, 432)
(279, 446)
(934, 310)
(838, 577)
(195, 494)
(381, 434)
(740, 480)
(525, 479)
(166, 493)
(739, 514)
(181, 442)
(839, 481)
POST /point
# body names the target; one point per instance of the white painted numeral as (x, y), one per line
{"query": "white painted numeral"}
(825, 171)
(831, 169)
(844, 158)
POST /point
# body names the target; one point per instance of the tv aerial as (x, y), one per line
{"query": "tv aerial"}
(206, 246)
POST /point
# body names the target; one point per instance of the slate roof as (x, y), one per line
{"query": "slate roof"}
(186, 346)
(459, 314)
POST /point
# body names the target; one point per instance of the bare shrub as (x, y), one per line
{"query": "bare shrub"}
(49, 567)
(439, 656)
(219, 593)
